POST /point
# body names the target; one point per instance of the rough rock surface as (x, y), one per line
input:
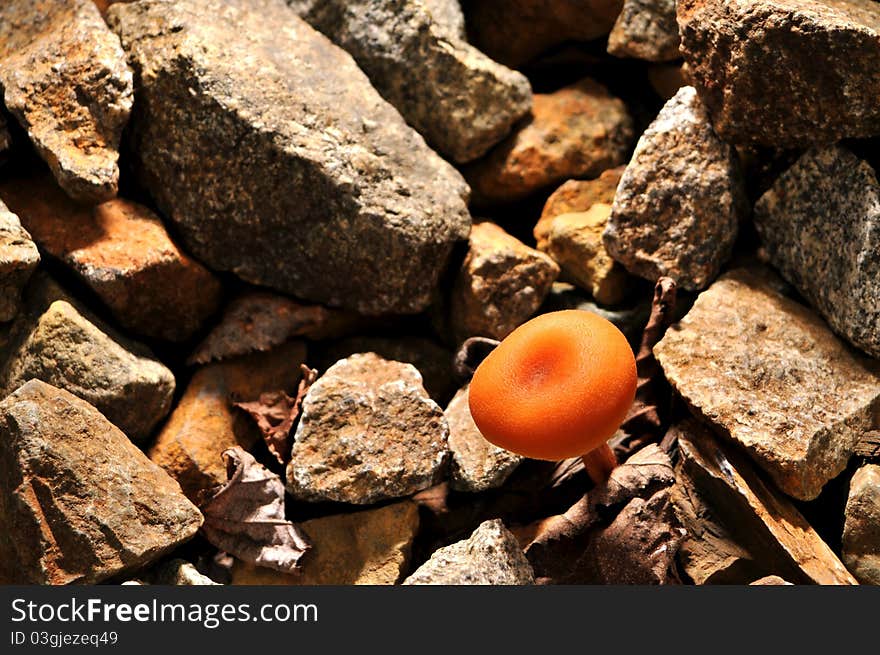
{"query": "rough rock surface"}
(78, 501)
(645, 29)
(121, 250)
(204, 422)
(477, 465)
(785, 72)
(461, 101)
(820, 226)
(368, 432)
(501, 283)
(371, 547)
(448, 13)
(516, 31)
(65, 349)
(577, 131)
(769, 374)
(861, 531)
(320, 163)
(18, 259)
(678, 206)
(574, 241)
(65, 79)
(766, 521)
(491, 556)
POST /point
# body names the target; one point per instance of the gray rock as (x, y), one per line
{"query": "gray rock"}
(785, 72)
(645, 29)
(679, 202)
(861, 530)
(78, 501)
(265, 144)
(18, 259)
(477, 465)
(461, 101)
(368, 432)
(448, 13)
(767, 373)
(65, 349)
(820, 226)
(65, 79)
(491, 556)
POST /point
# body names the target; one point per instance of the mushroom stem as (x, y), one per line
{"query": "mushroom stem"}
(599, 463)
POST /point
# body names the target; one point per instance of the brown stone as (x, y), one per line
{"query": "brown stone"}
(78, 501)
(861, 530)
(204, 423)
(477, 465)
(501, 283)
(18, 260)
(578, 131)
(770, 580)
(767, 373)
(65, 79)
(645, 29)
(368, 432)
(785, 73)
(371, 547)
(121, 250)
(516, 31)
(678, 206)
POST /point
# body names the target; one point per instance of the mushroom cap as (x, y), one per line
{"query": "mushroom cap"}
(558, 386)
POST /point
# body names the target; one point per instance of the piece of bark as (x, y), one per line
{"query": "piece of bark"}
(246, 517)
(869, 446)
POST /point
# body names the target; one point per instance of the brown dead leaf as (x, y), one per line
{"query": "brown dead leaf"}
(275, 414)
(246, 516)
(434, 498)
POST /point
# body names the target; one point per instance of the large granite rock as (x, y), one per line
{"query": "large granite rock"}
(121, 250)
(861, 530)
(679, 202)
(18, 259)
(368, 432)
(461, 101)
(65, 349)
(820, 226)
(264, 143)
(491, 556)
(767, 373)
(785, 72)
(65, 79)
(78, 501)
(645, 29)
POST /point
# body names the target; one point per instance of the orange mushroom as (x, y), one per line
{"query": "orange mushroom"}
(558, 386)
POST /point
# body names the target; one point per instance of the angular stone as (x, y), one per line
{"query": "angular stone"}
(501, 283)
(65, 349)
(516, 31)
(371, 547)
(18, 260)
(680, 200)
(491, 556)
(319, 162)
(766, 372)
(766, 521)
(574, 241)
(770, 580)
(448, 13)
(368, 432)
(461, 101)
(578, 131)
(783, 73)
(78, 501)
(577, 196)
(179, 573)
(820, 226)
(645, 29)
(477, 465)
(121, 250)
(65, 79)
(861, 530)
(204, 423)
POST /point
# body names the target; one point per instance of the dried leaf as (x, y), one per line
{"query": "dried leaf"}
(275, 414)
(257, 321)
(434, 498)
(470, 355)
(246, 516)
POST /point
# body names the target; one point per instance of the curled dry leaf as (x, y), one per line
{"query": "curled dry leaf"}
(470, 354)
(275, 414)
(246, 516)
